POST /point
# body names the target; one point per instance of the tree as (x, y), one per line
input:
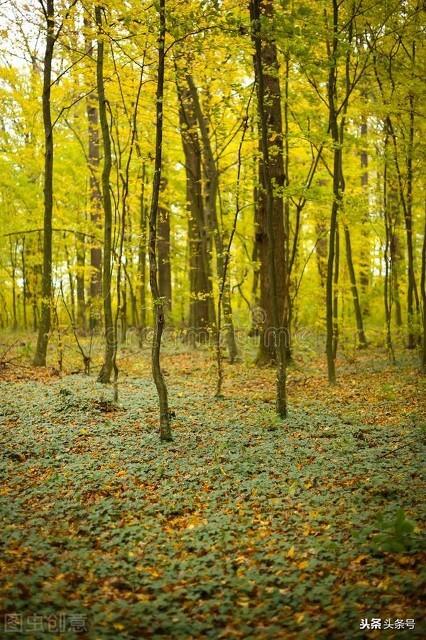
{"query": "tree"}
(46, 290)
(158, 301)
(110, 338)
(273, 211)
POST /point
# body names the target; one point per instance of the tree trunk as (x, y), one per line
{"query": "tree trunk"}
(389, 265)
(364, 272)
(276, 175)
(142, 256)
(268, 97)
(105, 372)
(159, 319)
(95, 202)
(211, 184)
(25, 291)
(13, 252)
(81, 264)
(163, 251)
(412, 295)
(201, 306)
(362, 340)
(423, 294)
(46, 290)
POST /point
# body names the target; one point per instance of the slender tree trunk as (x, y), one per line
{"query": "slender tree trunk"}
(25, 292)
(105, 372)
(337, 196)
(273, 206)
(159, 318)
(70, 280)
(46, 291)
(423, 294)
(336, 293)
(387, 289)
(412, 296)
(163, 250)
(13, 252)
(95, 203)
(364, 273)
(142, 255)
(362, 340)
(81, 264)
(321, 252)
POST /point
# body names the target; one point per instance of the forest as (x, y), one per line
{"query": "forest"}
(212, 319)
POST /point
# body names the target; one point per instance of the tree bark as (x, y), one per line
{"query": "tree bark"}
(163, 250)
(81, 264)
(362, 340)
(276, 175)
(201, 306)
(95, 203)
(46, 292)
(105, 372)
(271, 178)
(159, 317)
(211, 184)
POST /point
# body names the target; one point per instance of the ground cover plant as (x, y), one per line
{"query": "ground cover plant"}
(243, 526)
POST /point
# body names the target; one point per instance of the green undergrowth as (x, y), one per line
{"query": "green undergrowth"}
(244, 526)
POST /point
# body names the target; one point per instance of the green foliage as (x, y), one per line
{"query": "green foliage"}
(396, 534)
(232, 524)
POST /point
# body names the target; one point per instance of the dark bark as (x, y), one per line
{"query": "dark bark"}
(46, 289)
(201, 306)
(142, 255)
(163, 250)
(362, 340)
(276, 175)
(159, 315)
(105, 372)
(211, 185)
(272, 176)
(423, 294)
(95, 203)
(364, 271)
(389, 265)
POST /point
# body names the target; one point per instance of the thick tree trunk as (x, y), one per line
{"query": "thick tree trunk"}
(275, 170)
(46, 292)
(201, 306)
(268, 96)
(159, 316)
(110, 338)
(211, 184)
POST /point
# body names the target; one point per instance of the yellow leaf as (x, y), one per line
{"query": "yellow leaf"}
(291, 552)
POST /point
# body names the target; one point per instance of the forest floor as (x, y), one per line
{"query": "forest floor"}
(243, 527)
